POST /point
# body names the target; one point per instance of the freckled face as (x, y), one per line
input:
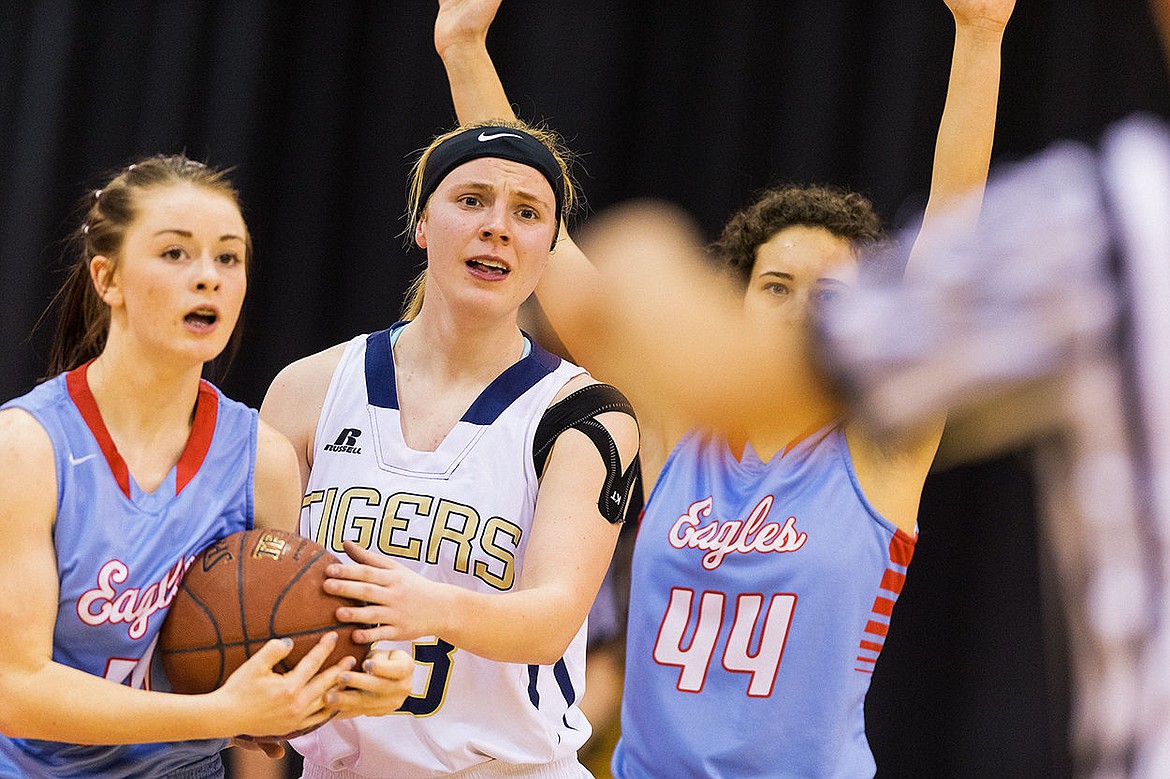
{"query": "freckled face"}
(487, 230)
(179, 282)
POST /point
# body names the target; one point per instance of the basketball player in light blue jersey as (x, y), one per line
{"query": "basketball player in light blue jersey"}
(115, 473)
(473, 480)
(776, 532)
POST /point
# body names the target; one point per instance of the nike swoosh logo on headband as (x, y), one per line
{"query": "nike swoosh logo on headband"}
(485, 137)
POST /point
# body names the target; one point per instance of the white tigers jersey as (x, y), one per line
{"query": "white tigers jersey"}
(461, 514)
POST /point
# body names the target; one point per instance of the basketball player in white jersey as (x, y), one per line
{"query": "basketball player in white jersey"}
(476, 530)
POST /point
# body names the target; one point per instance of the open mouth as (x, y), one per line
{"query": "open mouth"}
(488, 267)
(202, 318)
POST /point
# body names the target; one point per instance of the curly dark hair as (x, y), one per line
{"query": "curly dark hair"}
(845, 214)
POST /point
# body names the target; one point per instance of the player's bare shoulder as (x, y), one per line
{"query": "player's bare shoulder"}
(294, 400)
(24, 441)
(300, 386)
(26, 457)
(305, 378)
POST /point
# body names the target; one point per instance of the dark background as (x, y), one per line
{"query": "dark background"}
(319, 106)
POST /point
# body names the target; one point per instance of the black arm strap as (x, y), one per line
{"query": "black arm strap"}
(578, 411)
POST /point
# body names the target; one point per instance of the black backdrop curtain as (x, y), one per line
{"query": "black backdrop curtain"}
(319, 106)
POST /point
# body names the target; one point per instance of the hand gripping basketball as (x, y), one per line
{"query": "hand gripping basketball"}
(242, 591)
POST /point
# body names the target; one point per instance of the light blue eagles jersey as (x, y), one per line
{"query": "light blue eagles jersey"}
(121, 553)
(760, 599)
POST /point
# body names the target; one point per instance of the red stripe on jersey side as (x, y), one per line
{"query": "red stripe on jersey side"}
(902, 548)
(901, 551)
(79, 392)
(893, 581)
(199, 440)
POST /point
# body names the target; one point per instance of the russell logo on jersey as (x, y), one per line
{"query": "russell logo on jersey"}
(346, 442)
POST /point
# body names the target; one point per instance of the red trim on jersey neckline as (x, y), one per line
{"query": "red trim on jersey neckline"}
(194, 452)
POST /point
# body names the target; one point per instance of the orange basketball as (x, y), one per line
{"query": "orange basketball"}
(241, 591)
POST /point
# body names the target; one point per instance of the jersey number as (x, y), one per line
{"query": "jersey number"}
(131, 672)
(437, 655)
(694, 658)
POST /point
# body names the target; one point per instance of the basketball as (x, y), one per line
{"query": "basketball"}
(241, 591)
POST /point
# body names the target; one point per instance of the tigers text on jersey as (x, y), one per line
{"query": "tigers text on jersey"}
(120, 554)
(461, 514)
(761, 595)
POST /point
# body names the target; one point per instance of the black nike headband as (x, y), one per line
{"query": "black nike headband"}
(506, 143)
